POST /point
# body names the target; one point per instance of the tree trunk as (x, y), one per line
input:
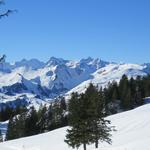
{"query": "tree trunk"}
(84, 146)
(96, 143)
(96, 136)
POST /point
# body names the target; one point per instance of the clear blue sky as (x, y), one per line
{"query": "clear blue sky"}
(114, 30)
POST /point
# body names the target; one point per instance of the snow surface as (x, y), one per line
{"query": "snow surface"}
(133, 133)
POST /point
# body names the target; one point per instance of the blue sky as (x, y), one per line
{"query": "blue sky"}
(114, 30)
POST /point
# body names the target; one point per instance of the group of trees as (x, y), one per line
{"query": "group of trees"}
(7, 112)
(129, 92)
(38, 121)
(86, 119)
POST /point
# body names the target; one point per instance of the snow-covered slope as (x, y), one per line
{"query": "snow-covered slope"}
(61, 77)
(25, 99)
(109, 73)
(133, 133)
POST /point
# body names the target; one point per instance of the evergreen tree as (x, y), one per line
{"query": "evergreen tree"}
(1, 136)
(132, 84)
(86, 118)
(11, 130)
(50, 119)
(31, 127)
(42, 119)
(58, 110)
(125, 93)
(56, 114)
(78, 133)
(96, 113)
(146, 84)
(20, 125)
(115, 93)
(63, 107)
(63, 103)
(127, 99)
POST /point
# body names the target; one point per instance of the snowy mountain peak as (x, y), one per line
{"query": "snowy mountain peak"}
(32, 64)
(53, 61)
(86, 60)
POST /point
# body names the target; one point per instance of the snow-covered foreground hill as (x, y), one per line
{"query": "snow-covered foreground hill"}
(133, 133)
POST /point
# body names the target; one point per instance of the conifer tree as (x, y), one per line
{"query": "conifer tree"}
(96, 113)
(42, 119)
(78, 134)
(63, 103)
(86, 118)
(11, 130)
(124, 92)
(56, 114)
(31, 126)
(50, 119)
(1, 136)
(63, 107)
(20, 125)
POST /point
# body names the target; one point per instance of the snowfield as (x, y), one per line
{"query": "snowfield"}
(133, 133)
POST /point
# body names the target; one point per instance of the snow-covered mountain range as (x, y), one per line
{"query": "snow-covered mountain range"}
(33, 81)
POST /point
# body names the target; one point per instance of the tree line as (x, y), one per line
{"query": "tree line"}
(128, 92)
(34, 121)
(7, 112)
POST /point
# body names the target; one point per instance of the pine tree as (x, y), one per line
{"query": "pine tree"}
(50, 118)
(11, 130)
(125, 92)
(96, 113)
(56, 114)
(1, 136)
(63, 103)
(20, 125)
(78, 134)
(127, 99)
(86, 118)
(42, 119)
(31, 127)
(63, 107)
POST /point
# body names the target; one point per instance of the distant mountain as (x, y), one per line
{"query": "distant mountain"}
(57, 76)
